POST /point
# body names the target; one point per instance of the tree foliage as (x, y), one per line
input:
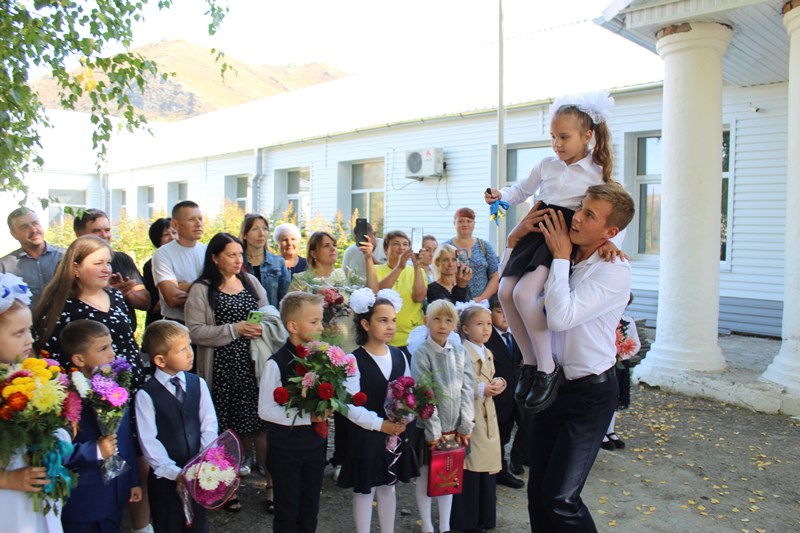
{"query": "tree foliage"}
(50, 34)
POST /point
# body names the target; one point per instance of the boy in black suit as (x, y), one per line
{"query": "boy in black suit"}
(507, 360)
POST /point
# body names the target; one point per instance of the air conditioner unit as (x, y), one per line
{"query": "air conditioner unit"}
(424, 163)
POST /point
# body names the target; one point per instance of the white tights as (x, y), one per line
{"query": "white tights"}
(387, 505)
(519, 295)
(424, 502)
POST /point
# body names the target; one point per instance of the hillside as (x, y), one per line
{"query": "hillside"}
(198, 87)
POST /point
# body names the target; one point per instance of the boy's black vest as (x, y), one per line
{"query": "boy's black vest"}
(285, 436)
(177, 425)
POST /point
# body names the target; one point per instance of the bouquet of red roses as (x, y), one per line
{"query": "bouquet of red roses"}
(318, 385)
(35, 403)
(107, 392)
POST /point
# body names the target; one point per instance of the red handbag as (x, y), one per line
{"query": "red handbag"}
(446, 474)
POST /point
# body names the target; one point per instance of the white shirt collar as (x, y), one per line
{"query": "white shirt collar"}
(164, 378)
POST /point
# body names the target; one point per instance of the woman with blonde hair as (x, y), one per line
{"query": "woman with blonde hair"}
(452, 278)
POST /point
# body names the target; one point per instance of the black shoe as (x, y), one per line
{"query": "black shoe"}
(526, 376)
(614, 439)
(505, 478)
(515, 468)
(607, 445)
(544, 390)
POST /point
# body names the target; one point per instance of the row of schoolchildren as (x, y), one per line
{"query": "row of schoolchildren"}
(465, 412)
(175, 419)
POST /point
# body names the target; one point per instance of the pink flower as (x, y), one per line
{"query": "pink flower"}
(397, 389)
(309, 380)
(71, 408)
(352, 366)
(406, 381)
(411, 401)
(218, 457)
(337, 356)
(429, 394)
(117, 396)
(427, 411)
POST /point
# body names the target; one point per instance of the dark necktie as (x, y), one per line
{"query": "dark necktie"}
(179, 393)
(509, 342)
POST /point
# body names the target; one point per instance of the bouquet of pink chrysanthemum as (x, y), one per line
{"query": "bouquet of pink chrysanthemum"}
(318, 384)
(626, 346)
(107, 392)
(211, 477)
(406, 398)
(35, 402)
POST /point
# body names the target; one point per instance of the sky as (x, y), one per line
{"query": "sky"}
(356, 35)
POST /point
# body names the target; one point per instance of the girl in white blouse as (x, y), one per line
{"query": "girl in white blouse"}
(559, 183)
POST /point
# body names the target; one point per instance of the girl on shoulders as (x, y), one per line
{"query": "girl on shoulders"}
(454, 416)
(475, 508)
(369, 468)
(559, 183)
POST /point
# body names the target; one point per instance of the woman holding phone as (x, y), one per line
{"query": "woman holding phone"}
(216, 310)
(453, 277)
(478, 254)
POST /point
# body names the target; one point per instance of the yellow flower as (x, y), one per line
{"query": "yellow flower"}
(32, 363)
(48, 397)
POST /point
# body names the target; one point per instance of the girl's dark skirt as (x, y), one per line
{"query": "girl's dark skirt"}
(532, 251)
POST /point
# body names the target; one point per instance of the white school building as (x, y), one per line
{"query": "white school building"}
(702, 131)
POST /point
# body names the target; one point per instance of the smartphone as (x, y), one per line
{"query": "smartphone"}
(254, 317)
(416, 239)
(461, 256)
(360, 231)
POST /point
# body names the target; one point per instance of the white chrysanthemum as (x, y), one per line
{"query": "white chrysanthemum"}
(361, 300)
(393, 296)
(209, 476)
(82, 384)
(227, 476)
(191, 472)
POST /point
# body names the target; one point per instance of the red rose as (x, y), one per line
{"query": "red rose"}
(325, 391)
(17, 401)
(302, 351)
(359, 399)
(281, 395)
(6, 413)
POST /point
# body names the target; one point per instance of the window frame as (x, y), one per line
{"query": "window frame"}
(369, 191)
(59, 216)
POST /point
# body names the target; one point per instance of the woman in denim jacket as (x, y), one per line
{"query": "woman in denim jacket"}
(270, 269)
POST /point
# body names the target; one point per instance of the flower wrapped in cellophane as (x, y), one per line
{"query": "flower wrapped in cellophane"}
(318, 385)
(35, 403)
(107, 392)
(626, 346)
(211, 477)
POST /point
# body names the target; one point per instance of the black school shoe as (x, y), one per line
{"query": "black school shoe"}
(505, 478)
(526, 376)
(515, 468)
(617, 442)
(544, 390)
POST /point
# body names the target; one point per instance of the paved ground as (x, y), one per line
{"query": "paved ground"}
(691, 465)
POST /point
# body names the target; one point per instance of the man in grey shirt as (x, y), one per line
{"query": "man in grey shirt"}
(35, 261)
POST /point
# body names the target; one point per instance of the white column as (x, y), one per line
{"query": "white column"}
(785, 369)
(688, 291)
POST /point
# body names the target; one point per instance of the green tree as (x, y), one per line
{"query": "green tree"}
(50, 33)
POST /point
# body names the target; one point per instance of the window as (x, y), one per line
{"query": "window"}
(298, 194)
(648, 191)
(119, 203)
(519, 162)
(177, 191)
(146, 201)
(366, 192)
(64, 198)
(236, 190)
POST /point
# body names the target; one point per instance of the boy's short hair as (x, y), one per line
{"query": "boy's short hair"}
(442, 308)
(292, 304)
(622, 207)
(159, 336)
(78, 335)
(494, 303)
(186, 204)
(89, 215)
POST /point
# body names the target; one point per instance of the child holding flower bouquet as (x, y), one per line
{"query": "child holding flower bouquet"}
(97, 504)
(295, 451)
(455, 412)
(374, 464)
(18, 479)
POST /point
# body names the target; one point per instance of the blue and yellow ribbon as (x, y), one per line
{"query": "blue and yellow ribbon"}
(497, 210)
